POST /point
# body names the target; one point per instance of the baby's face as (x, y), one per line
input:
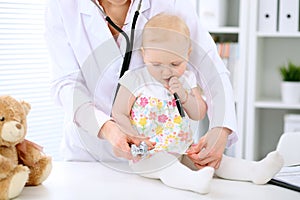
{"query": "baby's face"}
(163, 65)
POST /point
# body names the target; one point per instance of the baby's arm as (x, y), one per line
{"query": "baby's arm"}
(192, 102)
(121, 110)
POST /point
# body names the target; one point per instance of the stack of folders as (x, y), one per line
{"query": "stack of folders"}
(278, 15)
(288, 177)
(229, 52)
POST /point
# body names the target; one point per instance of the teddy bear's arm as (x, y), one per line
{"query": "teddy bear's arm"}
(39, 164)
(29, 153)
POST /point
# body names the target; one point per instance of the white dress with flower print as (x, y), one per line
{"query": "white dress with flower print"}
(154, 113)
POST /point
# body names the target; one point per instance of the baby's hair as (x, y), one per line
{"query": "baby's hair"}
(166, 24)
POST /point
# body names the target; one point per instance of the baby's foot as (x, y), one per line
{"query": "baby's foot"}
(197, 181)
(205, 176)
(265, 169)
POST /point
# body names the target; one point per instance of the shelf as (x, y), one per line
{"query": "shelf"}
(276, 104)
(278, 35)
(225, 30)
(266, 52)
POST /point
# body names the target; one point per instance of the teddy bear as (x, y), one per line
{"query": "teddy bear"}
(22, 162)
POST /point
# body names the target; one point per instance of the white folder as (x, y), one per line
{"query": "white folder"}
(289, 16)
(212, 13)
(267, 15)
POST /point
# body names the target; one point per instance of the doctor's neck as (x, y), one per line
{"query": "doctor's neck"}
(114, 3)
(116, 10)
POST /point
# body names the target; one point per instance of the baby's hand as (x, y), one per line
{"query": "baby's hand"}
(175, 86)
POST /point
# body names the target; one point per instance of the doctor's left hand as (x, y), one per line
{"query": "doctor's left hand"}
(210, 149)
(121, 141)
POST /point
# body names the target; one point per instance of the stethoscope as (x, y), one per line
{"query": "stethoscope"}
(129, 47)
(129, 42)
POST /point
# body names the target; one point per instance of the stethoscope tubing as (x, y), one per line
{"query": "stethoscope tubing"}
(127, 57)
(129, 42)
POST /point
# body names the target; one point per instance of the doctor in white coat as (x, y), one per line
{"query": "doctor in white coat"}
(87, 55)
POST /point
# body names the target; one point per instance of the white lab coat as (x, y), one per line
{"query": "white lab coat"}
(86, 61)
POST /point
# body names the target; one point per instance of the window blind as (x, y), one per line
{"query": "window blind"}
(24, 70)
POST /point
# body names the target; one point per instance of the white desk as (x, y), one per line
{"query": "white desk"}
(89, 181)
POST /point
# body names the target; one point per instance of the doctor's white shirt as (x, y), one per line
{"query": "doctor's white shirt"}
(87, 59)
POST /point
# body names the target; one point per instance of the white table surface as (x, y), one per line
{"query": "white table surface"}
(88, 181)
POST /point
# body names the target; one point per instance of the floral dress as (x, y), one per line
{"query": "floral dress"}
(161, 121)
(154, 113)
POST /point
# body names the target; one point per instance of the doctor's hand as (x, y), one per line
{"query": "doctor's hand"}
(210, 149)
(121, 141)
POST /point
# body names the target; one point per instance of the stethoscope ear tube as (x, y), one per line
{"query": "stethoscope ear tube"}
(129, 46)
(129, 43)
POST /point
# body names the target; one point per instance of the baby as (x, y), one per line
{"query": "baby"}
(145, 105)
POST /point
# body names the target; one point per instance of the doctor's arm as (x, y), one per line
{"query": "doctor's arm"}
(213, 78)
(70, 92)
(67, 83)
(221, 112)
(210, 148)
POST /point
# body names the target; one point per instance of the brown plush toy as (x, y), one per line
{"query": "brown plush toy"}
(21, 161)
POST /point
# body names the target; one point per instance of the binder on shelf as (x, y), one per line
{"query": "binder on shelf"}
(213, 13)
(267, 15)
(289, 16)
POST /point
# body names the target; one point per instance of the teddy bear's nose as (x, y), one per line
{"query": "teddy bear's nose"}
(18, 126)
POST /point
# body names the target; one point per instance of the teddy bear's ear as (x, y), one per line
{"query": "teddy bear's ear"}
(26, 106)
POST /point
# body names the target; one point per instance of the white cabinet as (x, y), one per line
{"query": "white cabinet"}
(233, 30)
(265, 111)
